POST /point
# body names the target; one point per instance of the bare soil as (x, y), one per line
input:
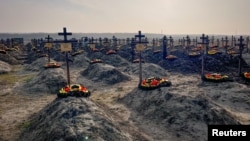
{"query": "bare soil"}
(17, 107)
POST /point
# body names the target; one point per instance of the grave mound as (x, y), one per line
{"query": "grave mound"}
(72, 119)
(182, 117)
(46, 81)
(4, 67)
(105, 73)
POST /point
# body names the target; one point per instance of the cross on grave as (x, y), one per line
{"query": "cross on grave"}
(128, 41)
(188, 43)
(92, 43)
(203, 42)
(247, 44)
(233, 41)
(114, 41)
(67, 49)
(194, 41)
(48, 45)
(140, 47)
(171, 40)
(164, 47)
(241, 47)
(133, 43)
(218, 42)
(64, 34)
(106, 42)
(100, 41)
(226, 43)
(212, 41)
(187, 40)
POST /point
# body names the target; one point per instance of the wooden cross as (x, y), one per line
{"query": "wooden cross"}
(218, 42)
(92, 43)
(114, 41)
(241, 47)
(247, 44)
(226, 43)
(133, 43)
(203, 41)
(212, 41)
(171, 40)
(188, 43)
(140, 36)
(65, 34)
(106, 42)
(49, 39)
(164, 47)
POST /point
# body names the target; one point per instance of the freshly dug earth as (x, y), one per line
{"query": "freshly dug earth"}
(73, 119)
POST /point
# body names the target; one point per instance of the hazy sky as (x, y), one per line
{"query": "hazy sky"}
(150, 16)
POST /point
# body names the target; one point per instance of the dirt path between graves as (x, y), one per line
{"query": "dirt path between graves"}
(16, 108)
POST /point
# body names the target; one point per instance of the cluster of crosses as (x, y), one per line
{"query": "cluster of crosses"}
(11, 44)
(138, 43)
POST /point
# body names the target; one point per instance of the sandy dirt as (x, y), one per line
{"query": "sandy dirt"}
(16, 108)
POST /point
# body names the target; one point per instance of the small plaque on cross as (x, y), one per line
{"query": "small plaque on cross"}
(66, 47)
(92, 46)
(48, 45)
(140, 47)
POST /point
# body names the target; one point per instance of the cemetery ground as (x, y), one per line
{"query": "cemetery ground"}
(117, 110)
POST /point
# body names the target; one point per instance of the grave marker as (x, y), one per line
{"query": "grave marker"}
(141, 44)
(247, 44)
(48, 45)
(203, 42)
(241, 47)
(164, 47)
(226, 43)
(133, 48)
(92, 44)
(188, 41)
(66, 46)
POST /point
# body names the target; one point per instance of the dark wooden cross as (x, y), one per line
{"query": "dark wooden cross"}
(247, 44)
(164, 47)
(133, 43)
(218, 42)
(65, 34)
(171, 40)
(114, 41)
(188, 43)
(106, 42)
(203, 42)
(226, 43)
(241, 47)
(49, 39)
(140, 36)
(212, 41)
(92, 41)
(207, 44)
(154, 43)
